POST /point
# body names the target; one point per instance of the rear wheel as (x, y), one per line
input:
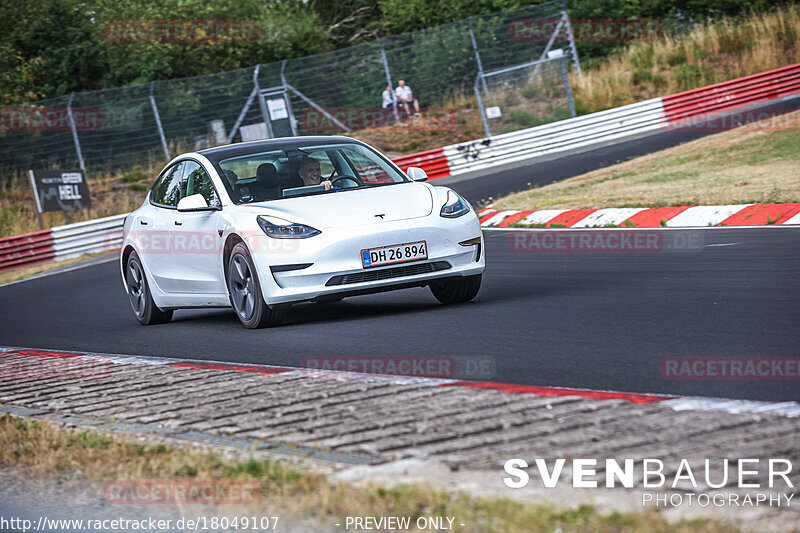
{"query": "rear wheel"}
(145, 309)
(245, 292)
(457, 290)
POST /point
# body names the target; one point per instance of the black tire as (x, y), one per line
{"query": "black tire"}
(457, 290)
(244, 291)
(144, 308)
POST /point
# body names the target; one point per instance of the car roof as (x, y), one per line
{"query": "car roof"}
(281, 143)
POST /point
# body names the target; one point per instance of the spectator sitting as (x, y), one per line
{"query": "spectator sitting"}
(406, 98)
(388, 97)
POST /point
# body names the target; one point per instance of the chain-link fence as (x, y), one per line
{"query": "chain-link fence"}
(144, 125)
(524, 96)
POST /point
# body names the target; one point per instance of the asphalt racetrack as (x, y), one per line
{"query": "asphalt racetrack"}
(573, 319)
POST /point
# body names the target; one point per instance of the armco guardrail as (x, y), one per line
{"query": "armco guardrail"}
(605, 126)
(62, 242)
(559, 136)
(729, 95)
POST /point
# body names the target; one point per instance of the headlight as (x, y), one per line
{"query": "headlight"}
(455, 206)
(277, 228)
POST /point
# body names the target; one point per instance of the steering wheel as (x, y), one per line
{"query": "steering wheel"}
(345, 177)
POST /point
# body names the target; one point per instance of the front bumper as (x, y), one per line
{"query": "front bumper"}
(335, 259)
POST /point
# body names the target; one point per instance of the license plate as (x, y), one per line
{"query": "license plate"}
(397, 253)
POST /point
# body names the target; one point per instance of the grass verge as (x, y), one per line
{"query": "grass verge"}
(755, 163)
(37, 449)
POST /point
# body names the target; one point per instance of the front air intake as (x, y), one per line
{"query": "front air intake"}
(388, 273)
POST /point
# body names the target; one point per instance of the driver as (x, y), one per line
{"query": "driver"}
(310, 173)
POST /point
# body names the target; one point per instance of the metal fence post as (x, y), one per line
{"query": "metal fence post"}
(480, 106)
(566, 85)
(75, 133)
(571, 36)
(245, 109)
(262, 103)
(158, 121)
(389, 79)
(292, 121)
(477, 57)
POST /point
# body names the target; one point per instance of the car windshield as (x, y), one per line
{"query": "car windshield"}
(307, 170)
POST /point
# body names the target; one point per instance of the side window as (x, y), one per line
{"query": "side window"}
(367, 168)
(196, 181)
(166, 190)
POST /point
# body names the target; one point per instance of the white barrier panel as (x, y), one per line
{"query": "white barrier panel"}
(91, 236)
(569, 134)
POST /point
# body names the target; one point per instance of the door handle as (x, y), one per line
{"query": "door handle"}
(178, 223)
(142, 222)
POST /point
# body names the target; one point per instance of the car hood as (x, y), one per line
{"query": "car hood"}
(356, 207)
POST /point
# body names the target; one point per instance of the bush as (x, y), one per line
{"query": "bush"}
(676, 59)
(530, 92)
(523, 119)
(640, 77)
(693, 76)
(134, 176)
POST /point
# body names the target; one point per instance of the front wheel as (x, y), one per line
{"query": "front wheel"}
(245, 292)
(145, 309)
(457, 290)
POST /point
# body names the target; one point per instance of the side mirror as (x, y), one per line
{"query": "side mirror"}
(195, 202)
(416, 174)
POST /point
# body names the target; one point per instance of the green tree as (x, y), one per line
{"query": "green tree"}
(18, 77)
(63, 35)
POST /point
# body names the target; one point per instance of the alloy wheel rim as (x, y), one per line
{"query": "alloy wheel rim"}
(242, 287)
(136, 288)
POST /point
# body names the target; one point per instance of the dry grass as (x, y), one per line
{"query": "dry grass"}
(708, 54)
(753, 163)
(37, 450)
(110, 195)
(449, 122)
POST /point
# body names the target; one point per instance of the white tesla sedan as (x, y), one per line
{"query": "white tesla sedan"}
(258, 226)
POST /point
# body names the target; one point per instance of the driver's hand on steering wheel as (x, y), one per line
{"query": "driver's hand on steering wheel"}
(328, 185)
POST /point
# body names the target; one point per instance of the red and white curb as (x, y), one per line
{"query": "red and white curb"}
(677, 403)
(642, 217)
